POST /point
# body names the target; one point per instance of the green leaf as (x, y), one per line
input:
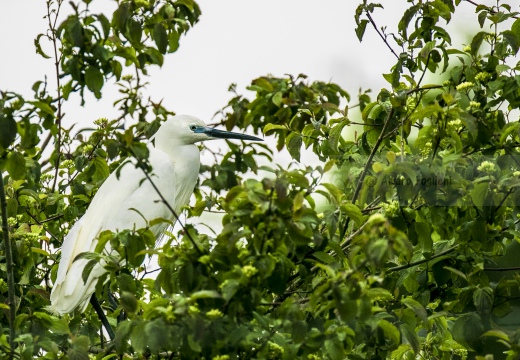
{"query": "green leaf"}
(122, 333)
(360, 29)
(509, 129)
(353, 212)
(15, 166)
(335, 135)
(9, 130)
(264, 84)
(126, 283)
(271, 127)
(194, 345)
(39, 47)
(515, 28)
(324, 257)
(277, 98)
(497, 334)
(467, 330)
(293, 142)
(121, 15)
(483, 300)
(229, 288)
(205, 294)
(479, 194)
(482, 16)
(94, 80)
(417, 308)
(379, 294)
(190, 4)
(424, 232)
(173, 41)
(138, 337)
(59, 326)
(44, 107)
(79, 349)
(88, 269)
(390, 331)
(334, 349)
(129, 302)
(160, 37)
(105, 24)
(411, 337)
(512, 39)
(477, 41)
(156, 332)
(102, 170)
(134, 31)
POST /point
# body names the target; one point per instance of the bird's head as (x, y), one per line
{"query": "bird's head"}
(185, 130)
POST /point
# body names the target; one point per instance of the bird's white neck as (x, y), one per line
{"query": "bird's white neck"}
(187, 167)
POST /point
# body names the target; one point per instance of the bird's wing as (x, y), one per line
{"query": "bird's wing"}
(80, 237)
(111, 210)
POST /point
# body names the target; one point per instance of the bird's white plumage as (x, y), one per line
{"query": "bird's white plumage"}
(175, 165)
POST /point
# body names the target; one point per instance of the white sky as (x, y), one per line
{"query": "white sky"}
(234, 42)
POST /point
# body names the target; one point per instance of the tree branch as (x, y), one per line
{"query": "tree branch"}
(515, 268)
(419, 262)
(380, 34)
(365, 170)
(9, 268)
(165, 202)
(52, 28)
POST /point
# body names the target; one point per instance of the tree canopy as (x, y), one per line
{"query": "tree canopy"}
(401, 243)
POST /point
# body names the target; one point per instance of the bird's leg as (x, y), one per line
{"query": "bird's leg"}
(95, 304)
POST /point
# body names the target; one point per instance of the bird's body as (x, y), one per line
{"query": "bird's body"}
(175, 161)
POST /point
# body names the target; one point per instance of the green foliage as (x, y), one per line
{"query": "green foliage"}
(401, 243)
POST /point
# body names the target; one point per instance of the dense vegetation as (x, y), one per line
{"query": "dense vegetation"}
(400, 244)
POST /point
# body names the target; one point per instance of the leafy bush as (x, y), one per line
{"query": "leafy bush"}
(401, 243)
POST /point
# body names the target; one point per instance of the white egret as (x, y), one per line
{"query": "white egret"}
(175, 161)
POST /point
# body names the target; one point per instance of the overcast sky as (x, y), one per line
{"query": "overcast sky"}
(234, 42)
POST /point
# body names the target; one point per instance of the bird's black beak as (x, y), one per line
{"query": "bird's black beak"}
(221, 134)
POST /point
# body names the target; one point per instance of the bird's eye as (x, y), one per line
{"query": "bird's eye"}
(193, 127)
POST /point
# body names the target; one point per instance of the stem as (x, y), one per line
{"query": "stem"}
(9, 268)
(380, 34)
(52, 28)
(503, 269)
(419, 262)
(371, 156)
(365, 170)
(174, 213)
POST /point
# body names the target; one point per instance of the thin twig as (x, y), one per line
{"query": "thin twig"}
(417, 89)
(491, 11)
(515, 268)
(41, 223)
(371, 156)
(52, 28)
(9, 268)
(419, 262)
(425, 68)
(367, 165)
(165, 202)
(381, 35)
(347, 241)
